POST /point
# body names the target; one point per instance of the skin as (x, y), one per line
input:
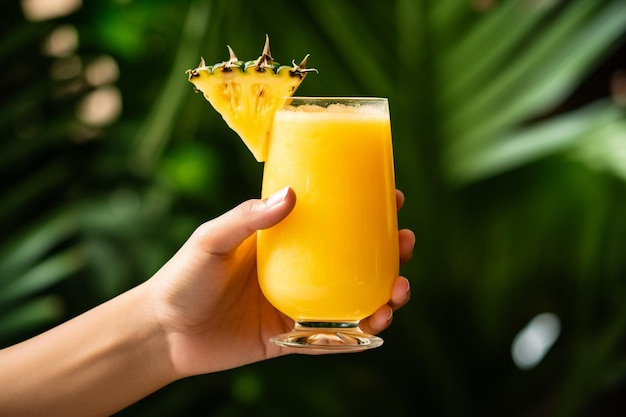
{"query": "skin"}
(202, 312)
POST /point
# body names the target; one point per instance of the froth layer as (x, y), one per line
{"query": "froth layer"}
(308, 111)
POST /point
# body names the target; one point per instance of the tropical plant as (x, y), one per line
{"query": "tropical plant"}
(509, 134)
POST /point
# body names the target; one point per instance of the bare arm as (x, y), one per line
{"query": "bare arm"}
(95, 364)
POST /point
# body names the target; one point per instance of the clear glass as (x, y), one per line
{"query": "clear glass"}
(333, 260)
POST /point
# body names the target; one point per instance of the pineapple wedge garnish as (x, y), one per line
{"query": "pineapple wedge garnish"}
(247, 94)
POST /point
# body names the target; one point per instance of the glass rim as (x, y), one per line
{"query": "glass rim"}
(332, 98)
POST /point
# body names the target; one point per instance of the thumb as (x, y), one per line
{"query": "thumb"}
(225, 233)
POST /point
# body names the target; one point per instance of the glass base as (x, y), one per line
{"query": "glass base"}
(336, 336)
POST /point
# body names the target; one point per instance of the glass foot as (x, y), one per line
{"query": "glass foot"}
(337, 336)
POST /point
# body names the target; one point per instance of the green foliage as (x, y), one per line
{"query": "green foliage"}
(509, 146)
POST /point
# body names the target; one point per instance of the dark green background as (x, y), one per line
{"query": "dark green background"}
(510, 144)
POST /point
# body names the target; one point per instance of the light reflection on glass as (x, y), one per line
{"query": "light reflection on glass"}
(534, 341)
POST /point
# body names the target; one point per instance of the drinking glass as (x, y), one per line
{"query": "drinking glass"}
(333, 260)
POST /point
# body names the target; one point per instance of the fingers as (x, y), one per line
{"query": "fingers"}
(406, 237)
(224, 234)
(400, 293)
(379, 321)
(382, 318)
(406, 243)
(399, 199)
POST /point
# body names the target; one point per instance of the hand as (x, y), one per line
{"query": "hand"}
(207, 297)
(202, 312)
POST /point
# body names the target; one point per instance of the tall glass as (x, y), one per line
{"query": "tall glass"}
(333, 260)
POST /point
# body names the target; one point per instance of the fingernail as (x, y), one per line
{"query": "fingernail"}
(390, 314)
(277, 197)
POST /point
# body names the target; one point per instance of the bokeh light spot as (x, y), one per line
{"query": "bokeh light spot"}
(103, 70)
(534, 341)
(61, 42)
(100, 107)
(36, 10)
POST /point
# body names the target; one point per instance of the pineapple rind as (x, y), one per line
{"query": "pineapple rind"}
(247, 94)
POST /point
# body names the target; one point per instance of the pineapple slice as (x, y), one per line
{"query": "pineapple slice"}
(247, 94)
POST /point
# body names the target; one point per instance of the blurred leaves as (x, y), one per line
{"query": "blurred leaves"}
(517, 87)
(586, 128)
(510, 146)
(157, 127)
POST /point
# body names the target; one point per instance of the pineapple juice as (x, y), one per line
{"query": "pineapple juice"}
(335, 257)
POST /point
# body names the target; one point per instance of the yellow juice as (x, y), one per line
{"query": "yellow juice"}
(335, 257)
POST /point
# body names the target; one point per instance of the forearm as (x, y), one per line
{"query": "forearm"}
(93, 365)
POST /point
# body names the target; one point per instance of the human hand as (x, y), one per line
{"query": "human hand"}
(207, 297)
